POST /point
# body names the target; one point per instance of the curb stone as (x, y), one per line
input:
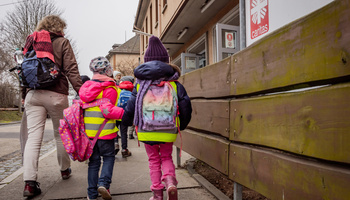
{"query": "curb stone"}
(204, 182)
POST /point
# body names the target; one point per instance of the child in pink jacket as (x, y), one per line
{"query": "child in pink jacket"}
(101, 85)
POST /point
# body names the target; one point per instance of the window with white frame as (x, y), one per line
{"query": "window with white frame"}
(226, 38)
(195, 56)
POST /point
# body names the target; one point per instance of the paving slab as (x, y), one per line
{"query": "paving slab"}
(130, 179)
(48, 176)
(186, 194)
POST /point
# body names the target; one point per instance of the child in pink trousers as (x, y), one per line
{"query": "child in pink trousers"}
(159, 143)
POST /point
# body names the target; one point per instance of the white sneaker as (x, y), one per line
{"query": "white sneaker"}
(104, 193)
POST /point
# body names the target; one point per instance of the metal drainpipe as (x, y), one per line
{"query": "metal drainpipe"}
(237, 188)
(242, 24)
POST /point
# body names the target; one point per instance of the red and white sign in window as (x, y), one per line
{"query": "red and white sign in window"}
(229, 40)
(259, 18)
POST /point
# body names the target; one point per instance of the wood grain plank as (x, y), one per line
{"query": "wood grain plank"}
(209, 149)
(313, 48)
(314, 123)
(211, 81)
(279, 176)
(211, 115)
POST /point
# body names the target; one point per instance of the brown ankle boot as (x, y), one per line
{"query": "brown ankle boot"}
(157, 195)
(171, 189)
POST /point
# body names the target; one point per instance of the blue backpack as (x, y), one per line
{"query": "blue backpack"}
(37, 73)
(123, 98)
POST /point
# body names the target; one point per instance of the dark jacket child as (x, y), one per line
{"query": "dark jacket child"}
(126, 85)
(131, 129)
(102, 85)
(84, 78)
(158, 143)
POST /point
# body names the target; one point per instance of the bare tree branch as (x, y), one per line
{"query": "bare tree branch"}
(15, 28)
(20, 23)
(126, 66)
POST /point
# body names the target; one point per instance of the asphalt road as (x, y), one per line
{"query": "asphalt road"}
(9, 137)
(10, 147)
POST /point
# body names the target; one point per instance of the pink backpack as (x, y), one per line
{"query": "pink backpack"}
(72, 130)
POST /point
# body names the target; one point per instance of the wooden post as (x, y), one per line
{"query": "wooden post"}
(237, 191)
(178, 159)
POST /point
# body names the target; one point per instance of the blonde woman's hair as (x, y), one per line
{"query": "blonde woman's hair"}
(52, 23)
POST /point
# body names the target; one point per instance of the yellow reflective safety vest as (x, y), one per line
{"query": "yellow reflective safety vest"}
(159, 136)
(93, 118)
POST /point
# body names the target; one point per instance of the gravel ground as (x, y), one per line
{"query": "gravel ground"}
(223, 183)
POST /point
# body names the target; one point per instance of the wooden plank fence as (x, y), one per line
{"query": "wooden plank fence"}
(275, 117)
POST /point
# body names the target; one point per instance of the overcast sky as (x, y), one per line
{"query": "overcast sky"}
(95, 25)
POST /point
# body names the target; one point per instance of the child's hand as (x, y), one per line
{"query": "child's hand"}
(111, 111)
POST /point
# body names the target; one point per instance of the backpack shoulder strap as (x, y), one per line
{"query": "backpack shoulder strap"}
(99, 131)
(173, 85)
(56, 37)
(94, 103)
(115, 88)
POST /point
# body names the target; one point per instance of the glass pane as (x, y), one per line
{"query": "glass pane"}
(202, 61)
(190, 62)
(228, 39)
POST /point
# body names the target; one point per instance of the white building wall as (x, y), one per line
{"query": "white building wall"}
(273, 14)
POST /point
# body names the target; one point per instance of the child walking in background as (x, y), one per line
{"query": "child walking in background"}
(102, 85)
(117, 76)
(126, 85)
(157, 72)
(131, 79)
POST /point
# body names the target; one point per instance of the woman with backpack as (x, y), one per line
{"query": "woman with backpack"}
(100, 86)
(148, 108)
(48, 42)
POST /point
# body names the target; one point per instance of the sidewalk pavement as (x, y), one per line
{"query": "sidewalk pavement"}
(130, 179)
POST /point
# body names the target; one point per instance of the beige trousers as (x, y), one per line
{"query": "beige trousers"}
(38, 104)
